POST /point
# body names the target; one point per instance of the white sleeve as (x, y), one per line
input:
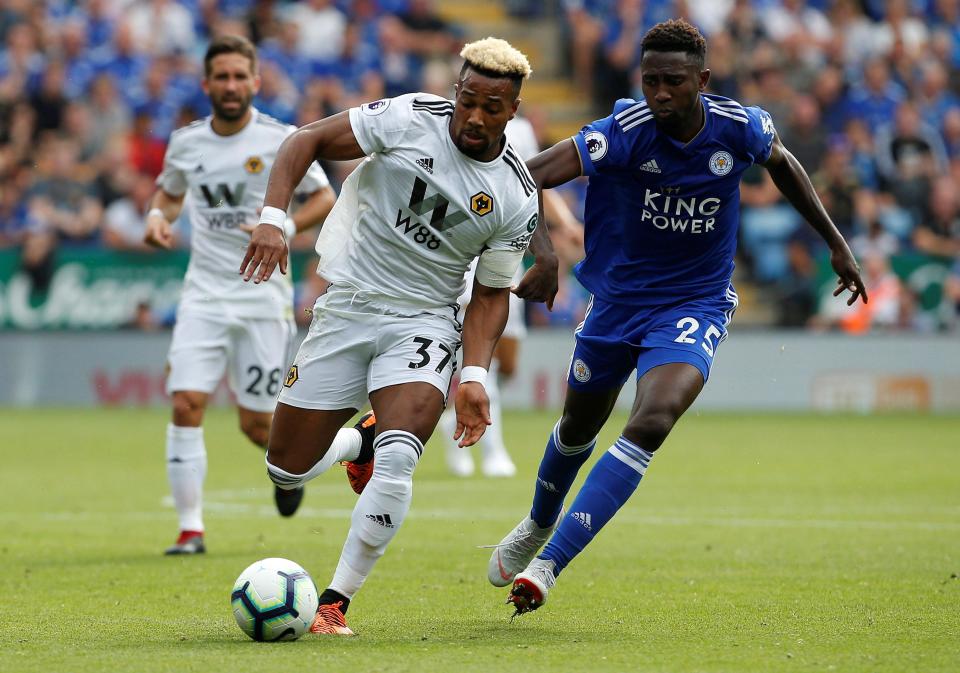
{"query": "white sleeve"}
(504, 251)
(382, 124)
(173, 177)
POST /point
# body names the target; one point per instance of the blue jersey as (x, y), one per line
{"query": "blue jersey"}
(661, 216)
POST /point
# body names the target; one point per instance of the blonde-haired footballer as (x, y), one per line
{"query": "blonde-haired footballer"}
(439, 187)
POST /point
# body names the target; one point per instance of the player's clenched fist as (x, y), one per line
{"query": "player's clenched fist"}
(267, 249)
(159, 231)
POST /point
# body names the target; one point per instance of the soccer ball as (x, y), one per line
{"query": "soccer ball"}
(274, 599)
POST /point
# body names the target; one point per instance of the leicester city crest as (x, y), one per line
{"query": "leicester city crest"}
(581, 372)
(721, 163)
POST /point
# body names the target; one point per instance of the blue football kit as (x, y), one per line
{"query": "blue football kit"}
(660, 227)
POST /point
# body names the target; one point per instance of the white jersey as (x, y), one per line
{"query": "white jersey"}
(521, 135)
(225, 180)
(414, 214)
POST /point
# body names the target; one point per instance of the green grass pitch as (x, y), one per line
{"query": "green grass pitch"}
(755, 543)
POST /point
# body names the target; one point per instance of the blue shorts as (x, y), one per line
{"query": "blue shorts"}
(615, 339)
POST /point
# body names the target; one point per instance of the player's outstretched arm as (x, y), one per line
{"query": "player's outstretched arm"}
(164, 209)
(482, 326)
(550, 168)
(331, 138)
(794, 183)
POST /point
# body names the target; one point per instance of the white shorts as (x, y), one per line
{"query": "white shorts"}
(355, 347)
(254, 353)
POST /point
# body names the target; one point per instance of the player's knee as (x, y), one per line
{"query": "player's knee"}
(188, 409)
(574, 432)
(648, 430)
(283, 478)
(257, 430)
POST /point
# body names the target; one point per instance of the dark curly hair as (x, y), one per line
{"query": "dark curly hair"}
(676, 35)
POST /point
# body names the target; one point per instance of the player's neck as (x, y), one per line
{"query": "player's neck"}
(227, 127)
(690, 131)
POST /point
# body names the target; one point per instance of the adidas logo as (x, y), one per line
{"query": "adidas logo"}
(383, 519)
(583, 518)
(548, 486)
(426, 164)
(650, 166)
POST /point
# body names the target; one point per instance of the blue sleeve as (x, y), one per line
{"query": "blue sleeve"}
(603, 144)
(760, 134)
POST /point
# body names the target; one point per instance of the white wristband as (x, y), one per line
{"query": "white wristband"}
(474, 375)
(157, 212)
(273, 216)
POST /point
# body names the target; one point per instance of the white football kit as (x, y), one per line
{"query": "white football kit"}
(221, 320)
(409, 221)
(521, 135)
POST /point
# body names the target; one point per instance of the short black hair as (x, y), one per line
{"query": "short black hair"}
(230, 44)
(516, 80)
(676, 35)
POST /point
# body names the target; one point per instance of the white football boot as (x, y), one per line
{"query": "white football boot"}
(531, 587)
(517, 549)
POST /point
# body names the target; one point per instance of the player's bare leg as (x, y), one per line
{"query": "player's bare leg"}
(664, 393)
(187, 468)
(256, 426)
(406, 417)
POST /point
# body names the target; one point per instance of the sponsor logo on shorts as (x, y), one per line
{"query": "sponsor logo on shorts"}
(581, 372)
(293, 375)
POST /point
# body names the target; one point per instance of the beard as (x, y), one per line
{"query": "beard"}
(230, 114)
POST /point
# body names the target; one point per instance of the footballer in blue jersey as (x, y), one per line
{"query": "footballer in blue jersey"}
(660, 225)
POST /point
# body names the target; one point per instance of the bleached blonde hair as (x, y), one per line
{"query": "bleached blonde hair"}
(494, 56)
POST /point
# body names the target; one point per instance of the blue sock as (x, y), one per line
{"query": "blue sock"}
(558, 469)
(610, 483)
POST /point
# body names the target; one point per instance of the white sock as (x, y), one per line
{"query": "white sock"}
(380, 510)
(345, 446)
(186, 470)
(459, 460)
(492, 444)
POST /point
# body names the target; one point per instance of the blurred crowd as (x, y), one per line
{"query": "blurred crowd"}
(865, 93)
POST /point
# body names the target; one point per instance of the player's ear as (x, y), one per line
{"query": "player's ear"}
(704, 78)
(514, 106)
(205, 85)
(256, 84)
